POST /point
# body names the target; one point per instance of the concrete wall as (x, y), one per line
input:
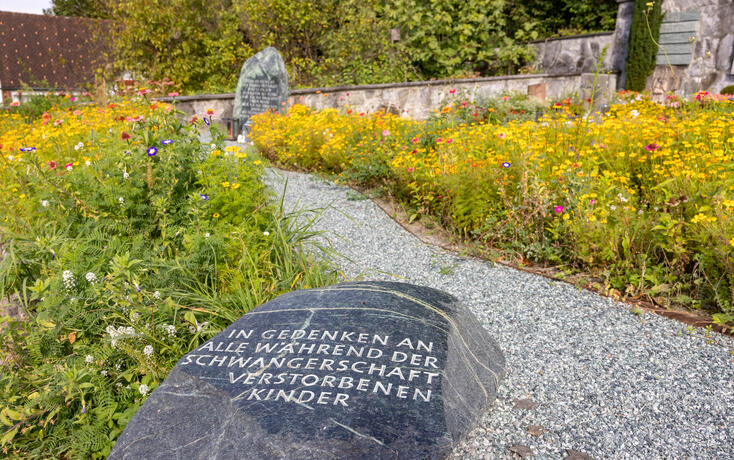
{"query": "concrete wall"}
(711, 67)
(417, 99)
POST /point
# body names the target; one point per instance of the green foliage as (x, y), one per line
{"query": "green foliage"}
(643, 44)
(80, 8)
(327, 42)
(562, 17)
(727, 90)
(196, 43)
(453, 37)
(124, 262)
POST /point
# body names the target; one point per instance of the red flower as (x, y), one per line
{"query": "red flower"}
(125, 136)
(194, 119)
(52, 165)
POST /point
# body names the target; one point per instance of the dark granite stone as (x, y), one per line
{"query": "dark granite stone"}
(354, 371)
(262, 86)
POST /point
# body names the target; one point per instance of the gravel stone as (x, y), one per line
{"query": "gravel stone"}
(608, 382)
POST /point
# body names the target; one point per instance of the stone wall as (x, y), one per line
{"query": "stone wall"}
(574, 54)
(711, 67)
(418, 99)
(580, 53)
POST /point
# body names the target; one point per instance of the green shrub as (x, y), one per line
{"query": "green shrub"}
(643, 44)
(727, 90)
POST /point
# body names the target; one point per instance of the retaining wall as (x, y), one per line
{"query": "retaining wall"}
(418, 99)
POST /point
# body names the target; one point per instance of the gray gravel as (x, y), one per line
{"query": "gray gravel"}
(609, 383)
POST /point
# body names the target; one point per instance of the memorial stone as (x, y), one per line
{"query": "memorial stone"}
(353, 371)
(262, 86)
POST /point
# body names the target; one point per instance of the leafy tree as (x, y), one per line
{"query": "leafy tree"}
(196, 43)
(80, 8)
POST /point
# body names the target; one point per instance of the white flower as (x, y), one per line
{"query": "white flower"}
(89, 359)
(121, 200)
(103, 372)
(135, 316)
(125, 175)
(213, 146)
(91, 277)
(69, 168)
(11, 157)
(143, 389)
(241, 139)
(118, 384)
(634, 113)
(118, 333)
(170, 329)
(156, 295)
(68, 277)
(266, 233)
(87, 162)
(612, 207)
(148, 350)
(44, 203)
(206, 235)
(79, 146)
(199, 327)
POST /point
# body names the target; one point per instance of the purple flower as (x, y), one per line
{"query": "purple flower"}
(127, 152)
(204, 197)
(505, 164)
(152, 151)
(27, 149)
(167, 141)
(84, 410)
(206, 120)
(652, 147)
(592, 202)
(559, 209)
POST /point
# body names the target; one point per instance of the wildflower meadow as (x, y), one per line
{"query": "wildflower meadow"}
(639, 198)
(127, 243)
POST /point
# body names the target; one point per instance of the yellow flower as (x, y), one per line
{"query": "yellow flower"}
(235, 186)
(215, 215)
(731, 241)
(225, 184)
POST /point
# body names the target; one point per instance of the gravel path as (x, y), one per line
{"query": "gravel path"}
(607, 382)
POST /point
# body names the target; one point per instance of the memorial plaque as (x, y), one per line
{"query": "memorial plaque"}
(262, 86)
(353, 371)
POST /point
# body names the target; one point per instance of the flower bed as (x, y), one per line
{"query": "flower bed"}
(641, 198)
(128, 244)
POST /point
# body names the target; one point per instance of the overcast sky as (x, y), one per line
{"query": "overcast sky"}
(25, 6)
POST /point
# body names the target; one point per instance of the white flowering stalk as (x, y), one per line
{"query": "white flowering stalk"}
(91, 277)
(69, 281)
(119, 333)
(148, 351)
(89, 359)
(143, 389)
(170, 329)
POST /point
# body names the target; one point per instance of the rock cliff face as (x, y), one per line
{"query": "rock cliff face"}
(711, 67)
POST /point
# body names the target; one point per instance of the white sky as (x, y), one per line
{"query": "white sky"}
(25, 6)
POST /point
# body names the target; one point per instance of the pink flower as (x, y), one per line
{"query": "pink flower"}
(652, 147)
(385, 132)
(448, 141)
(501, 135)
(68, 166)
(173, 94)
(415, 140)
(410, 169)
(452, 91)
(14, 104)
(58, 122)
(559, 209)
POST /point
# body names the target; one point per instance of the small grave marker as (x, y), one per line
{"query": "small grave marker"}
(357, 370)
